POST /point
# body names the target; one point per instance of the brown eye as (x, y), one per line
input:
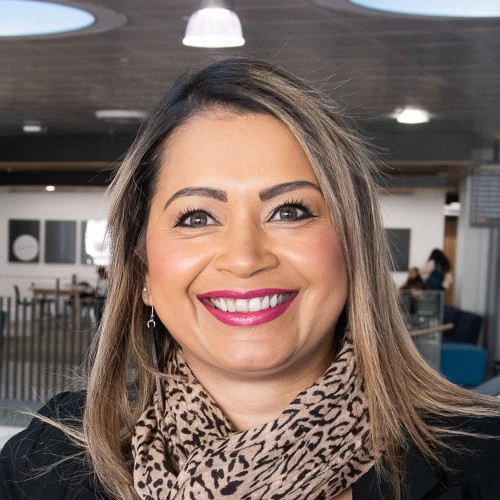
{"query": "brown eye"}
(195, 218)
(288, 213)
(198, 219)
(291, 213)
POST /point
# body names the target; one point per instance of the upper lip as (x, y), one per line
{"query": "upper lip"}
(250, 294)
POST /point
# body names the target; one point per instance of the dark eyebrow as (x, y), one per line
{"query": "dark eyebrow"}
(217, 194)
(273, 191)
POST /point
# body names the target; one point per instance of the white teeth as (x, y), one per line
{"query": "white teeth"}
(254, 305)
(249, 305)
(241, 305)
(274, 301)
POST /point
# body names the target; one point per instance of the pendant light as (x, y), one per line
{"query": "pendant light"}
(214, 25)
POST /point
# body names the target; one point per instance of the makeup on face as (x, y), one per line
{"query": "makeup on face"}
(251, 308)
(245, 267)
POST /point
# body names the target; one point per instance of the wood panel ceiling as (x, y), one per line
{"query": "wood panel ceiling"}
(372, 63)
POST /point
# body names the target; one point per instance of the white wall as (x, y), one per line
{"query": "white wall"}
(421, 211)
(74, 206)
(418, 210)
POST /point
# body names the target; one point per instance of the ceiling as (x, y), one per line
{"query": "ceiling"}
(372, 63)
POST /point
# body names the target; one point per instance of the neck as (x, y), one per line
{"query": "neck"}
(249, 403)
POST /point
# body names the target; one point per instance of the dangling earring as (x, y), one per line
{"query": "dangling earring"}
(151, 324)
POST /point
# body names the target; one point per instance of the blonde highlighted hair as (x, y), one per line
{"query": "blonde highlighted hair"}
(402, 390)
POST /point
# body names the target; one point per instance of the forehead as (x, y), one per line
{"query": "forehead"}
(217, 146)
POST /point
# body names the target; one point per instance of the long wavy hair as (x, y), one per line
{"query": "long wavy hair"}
(402, 390)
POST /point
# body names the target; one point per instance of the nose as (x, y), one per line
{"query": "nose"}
(245, 250)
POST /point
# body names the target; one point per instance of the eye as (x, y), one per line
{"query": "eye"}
(291, 212)
(195, 218)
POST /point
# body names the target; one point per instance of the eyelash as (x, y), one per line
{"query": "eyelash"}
(293, 203)
(188, 211)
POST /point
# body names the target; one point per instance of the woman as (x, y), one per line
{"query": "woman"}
(249, 265)
(414, 281)
(436, 272)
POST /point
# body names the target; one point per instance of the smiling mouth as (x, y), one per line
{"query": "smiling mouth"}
(255, 304)
(251, 308)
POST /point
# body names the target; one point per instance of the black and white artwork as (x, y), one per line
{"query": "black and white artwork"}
(95, 242)
(60, 242)
(24, 241)
(399, 247)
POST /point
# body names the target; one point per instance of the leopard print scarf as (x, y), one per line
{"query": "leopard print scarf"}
(317, 448)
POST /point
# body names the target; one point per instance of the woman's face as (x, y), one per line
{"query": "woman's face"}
(245, 267)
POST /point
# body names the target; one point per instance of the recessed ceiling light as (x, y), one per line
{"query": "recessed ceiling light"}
(32, 127)
(442, 8)
(411, 115)
(50, 188)
(122, 116)
(21, 18)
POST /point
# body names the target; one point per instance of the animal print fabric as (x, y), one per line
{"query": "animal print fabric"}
(317, 448)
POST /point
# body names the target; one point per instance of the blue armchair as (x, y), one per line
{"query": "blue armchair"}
(463, 362)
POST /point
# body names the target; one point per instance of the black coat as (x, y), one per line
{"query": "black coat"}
(31, 466)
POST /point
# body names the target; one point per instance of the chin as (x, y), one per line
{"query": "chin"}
(253, 362)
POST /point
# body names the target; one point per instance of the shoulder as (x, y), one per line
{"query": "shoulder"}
(477, 451)
(474, 432)
(471, 457)
(471, 454)
(65, 407)
(42, 461)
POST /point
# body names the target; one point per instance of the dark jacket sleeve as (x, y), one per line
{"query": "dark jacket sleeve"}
(41, 462)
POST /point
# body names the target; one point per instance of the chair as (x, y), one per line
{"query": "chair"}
(19, 301)
(40, 304)
(463, 362)
(466, 325)
(86, 297)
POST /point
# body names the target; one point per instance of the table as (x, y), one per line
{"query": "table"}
(47, 292)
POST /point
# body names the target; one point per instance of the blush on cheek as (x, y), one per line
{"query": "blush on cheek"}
(171, 263)
(324, 257)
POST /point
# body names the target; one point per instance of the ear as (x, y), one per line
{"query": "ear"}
(146, 292)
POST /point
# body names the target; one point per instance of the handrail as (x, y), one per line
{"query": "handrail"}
(434, 329)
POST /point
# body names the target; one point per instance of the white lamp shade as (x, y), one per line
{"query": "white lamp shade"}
(214, 27)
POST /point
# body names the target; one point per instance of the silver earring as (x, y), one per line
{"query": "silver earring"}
(151, 324)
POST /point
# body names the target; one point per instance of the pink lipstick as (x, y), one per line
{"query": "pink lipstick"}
(251, 308)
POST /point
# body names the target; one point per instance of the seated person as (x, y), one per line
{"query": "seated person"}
(414, 281)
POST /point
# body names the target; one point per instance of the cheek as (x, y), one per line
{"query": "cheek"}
(172, 264)
(331, 259)
(321, 258)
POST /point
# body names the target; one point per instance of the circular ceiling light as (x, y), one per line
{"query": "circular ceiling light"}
(36, 18)
(440, 8)
(21, 18)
